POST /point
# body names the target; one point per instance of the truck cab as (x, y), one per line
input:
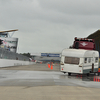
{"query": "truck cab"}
(84, 43)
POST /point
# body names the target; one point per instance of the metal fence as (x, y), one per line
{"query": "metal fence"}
(6, 54)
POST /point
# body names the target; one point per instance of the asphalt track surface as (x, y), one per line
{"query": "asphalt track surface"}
(38, 82)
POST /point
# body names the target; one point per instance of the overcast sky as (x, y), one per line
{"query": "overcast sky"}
(49, 25)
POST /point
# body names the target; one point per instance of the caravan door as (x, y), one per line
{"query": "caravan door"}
(70, 64)
(93, 61)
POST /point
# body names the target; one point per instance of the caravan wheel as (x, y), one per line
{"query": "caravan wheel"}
(69, 74)
(64, 72)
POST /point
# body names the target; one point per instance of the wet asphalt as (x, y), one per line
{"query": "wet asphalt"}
(30, 76)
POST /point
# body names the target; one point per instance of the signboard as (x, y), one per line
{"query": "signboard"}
(44, 54)
(50, 55)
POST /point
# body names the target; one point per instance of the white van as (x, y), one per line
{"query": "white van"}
(79, 61)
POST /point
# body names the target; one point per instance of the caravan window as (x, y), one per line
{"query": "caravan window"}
(71, 60)
(96, 59)
(89, 60)
(85, 60)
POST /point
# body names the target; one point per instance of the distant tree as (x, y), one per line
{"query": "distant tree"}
(27, 54)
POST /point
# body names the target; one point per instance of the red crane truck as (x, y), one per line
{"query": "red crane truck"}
(84, 43)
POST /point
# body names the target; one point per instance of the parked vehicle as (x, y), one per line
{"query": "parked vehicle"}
(79, 61)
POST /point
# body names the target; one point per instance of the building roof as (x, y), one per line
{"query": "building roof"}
(8, 31)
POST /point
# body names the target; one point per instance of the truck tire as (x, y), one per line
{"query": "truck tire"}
(87, 74)
(96, 74)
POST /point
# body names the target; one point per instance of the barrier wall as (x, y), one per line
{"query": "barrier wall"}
(6, 54)
(8, 63)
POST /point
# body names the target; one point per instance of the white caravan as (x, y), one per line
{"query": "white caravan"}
(79, 61)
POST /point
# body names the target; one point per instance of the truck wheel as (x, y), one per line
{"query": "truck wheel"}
(87, 74)
(96, 74)
(69, 74)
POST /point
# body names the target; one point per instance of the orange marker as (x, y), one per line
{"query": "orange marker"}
(49, 65)
(94, 78)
